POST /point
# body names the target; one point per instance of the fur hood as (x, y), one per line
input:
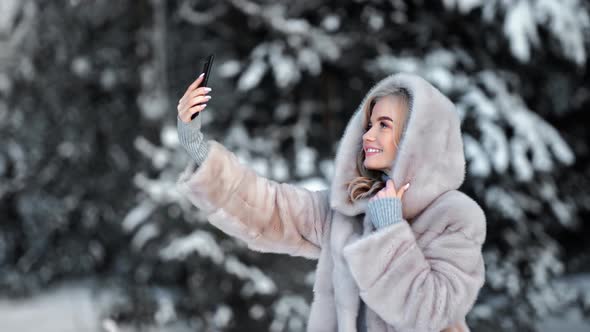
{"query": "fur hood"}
(430, 154)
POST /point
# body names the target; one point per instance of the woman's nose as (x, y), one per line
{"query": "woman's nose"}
(368, 137)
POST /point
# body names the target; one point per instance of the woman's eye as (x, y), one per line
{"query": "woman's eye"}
(381, 124)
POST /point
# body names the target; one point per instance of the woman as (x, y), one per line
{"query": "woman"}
(399, 247)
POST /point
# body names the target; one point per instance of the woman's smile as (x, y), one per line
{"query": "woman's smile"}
(372, 151)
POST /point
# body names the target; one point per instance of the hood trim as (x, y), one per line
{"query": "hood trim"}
(430, 154)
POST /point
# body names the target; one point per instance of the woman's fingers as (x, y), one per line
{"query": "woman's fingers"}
(197, 100)
(390, 191)
(402, 191)
(196, 83)
(194, 88)
(183, 106)
(193, 100)
(193, 94)
(185, 115)
(195, 109)
(198, 92)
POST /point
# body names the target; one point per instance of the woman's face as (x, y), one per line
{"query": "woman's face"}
(383, 132)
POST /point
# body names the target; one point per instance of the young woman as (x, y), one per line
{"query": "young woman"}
(399, 247)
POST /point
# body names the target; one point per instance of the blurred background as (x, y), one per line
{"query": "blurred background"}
(94, 236)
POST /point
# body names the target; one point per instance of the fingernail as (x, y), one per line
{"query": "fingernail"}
(201, 74)
(207, 89)
(204, 105)
(407, 186)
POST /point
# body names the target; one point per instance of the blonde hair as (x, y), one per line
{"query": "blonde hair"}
(369, 182)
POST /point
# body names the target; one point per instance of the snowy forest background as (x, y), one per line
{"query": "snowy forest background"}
(89, 154)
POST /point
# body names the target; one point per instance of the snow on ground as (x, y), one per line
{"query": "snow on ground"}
(78, 307)
(72, 307)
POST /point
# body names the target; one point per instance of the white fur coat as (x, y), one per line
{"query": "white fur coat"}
(422, 274)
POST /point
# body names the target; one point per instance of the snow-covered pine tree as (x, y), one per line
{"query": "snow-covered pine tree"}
(88, 188)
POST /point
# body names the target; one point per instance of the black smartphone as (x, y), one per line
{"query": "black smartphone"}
(207, 64)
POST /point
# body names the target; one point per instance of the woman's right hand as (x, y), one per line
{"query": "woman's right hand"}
(194, 95)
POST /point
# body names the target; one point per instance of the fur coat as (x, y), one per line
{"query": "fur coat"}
(421, 274)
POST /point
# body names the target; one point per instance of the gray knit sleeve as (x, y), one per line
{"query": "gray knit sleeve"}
(385, 211)
(192, 139)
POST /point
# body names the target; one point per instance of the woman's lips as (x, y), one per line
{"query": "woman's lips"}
(368, 154)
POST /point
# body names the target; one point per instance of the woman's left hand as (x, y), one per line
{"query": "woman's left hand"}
(390, 191)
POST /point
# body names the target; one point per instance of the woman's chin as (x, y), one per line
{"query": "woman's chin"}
(374, 166)
(371, 166)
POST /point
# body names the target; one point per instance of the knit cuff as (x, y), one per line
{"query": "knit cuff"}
(385, 211)
(192, 139)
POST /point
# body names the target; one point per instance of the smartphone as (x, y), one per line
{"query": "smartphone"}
(207, 64)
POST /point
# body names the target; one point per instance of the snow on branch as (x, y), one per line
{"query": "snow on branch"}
(301, 47)
(567, 21)
(205, 245)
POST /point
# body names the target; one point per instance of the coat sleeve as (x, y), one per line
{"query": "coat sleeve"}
(423, 285)
(267, 215)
